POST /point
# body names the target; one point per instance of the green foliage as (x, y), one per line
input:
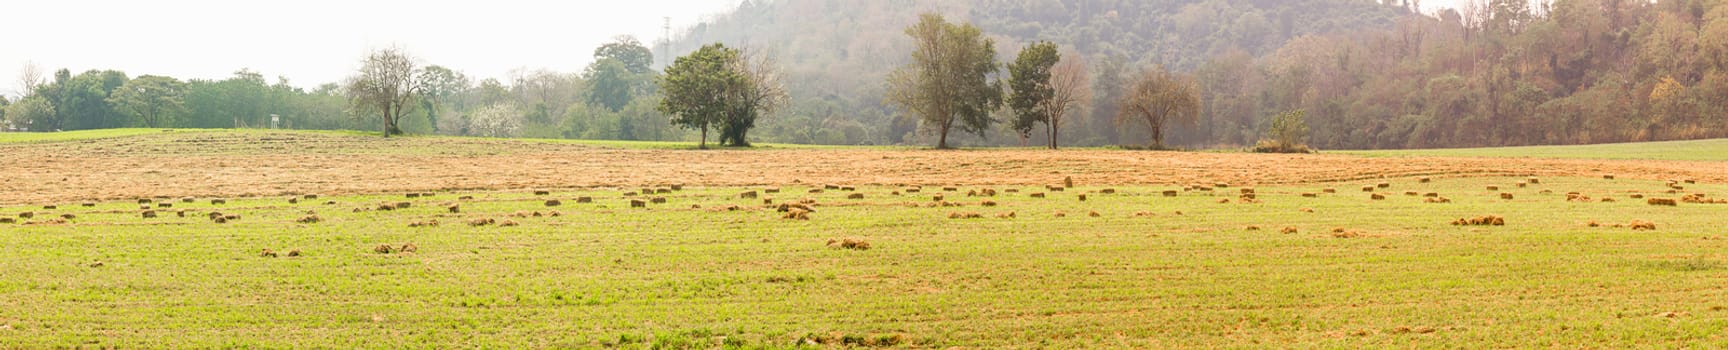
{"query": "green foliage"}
(628, 51)
(155, 100)
(695, 88)
(1029, 86)
(949, 82)
(1288, 133)
(29, 112)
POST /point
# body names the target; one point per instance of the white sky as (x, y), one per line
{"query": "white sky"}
(319, 41)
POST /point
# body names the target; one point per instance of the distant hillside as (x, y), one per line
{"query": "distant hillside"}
(837, 52)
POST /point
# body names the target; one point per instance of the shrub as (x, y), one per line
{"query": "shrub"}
(1286, 134)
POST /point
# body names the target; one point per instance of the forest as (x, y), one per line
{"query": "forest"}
(1367, 75)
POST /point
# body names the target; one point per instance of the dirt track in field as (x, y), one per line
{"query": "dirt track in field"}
(209, 164)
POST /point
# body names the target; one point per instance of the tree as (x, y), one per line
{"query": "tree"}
(384, 87)
(29, 112)
(948, 81)
(609, 84)
(499, 120)
(1160, 98)
(1287, 134)
(1029, 86)
(438, 85)
(626, 50)
(155, 100)
(759, 93)
(695, 88)
(1044, 88)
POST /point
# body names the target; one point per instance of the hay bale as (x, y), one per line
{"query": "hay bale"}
(1506, 196)
(1060, 214)
(26, 215)
(1377, 197)
(187, 200)
(1437, 200)
(1247, 190)
(830, 187)
(481, 222)
(965, 215)
(1093, 214)
(848, 188)
(507, 223)
(431, 223)
(814, 190)
(553, 203)
(1593, 223)
(1107, 191)
(68, 216)
(1068, 181)
(1007, 215)
(1170, 193)
(1307, 210)
(1522, 184)
(180, 213)
(144, 201)
(386, 207)
(1082, 197)
(854, 244)
(1036, 195)
(662, 191)
(1663, 202)
(403, 205)
(542, 192)
(796, 214)
(1329, 190)
(1289, 230)
(637, 203)
(677, 187)
(1423, 179)
(413, 195)
(657, 200)
(1384, 185)
(1411, 193)
(949, 189)
(1493, 188)
(50, 207)
(936, 198)
(454, 208)
(1607, 177)
(310, 196)
(465, 198)
(1223, 201)
(1311, 195)
(855, 196)
(912, 190)
(309, 219)
(1431, 194)
(1055, 188)
(88, 204)
(1221, 185)
(149, 214)
(291, 200)
(218, 201)
(1533, 180)
(267, 253)
(1640, 225)
(294, 253)
(383, 249)
(1367, 188)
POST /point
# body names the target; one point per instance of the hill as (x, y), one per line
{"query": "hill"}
(837, 53)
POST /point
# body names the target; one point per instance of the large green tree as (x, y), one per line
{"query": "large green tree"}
(439, 85)
(695, 87)
(629, 52)
(1029, 86)
(949, 82)
(154, 100)
(385, 88)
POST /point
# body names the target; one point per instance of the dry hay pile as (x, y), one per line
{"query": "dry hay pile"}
(849, 243)
(965, 215)
(1662, 202)
(1485, 220)
(1698, 198)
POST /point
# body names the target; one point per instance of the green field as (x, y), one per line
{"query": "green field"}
(1148, 272)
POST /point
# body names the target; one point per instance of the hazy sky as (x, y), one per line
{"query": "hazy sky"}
(318, 41)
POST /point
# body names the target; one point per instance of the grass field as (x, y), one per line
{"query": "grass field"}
(1148, 271)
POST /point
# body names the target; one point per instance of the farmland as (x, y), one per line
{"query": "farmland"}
(1166, 249)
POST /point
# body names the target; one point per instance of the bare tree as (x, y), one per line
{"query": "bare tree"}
(761, 94)
(29, 78)
(385, 87)
(1160, 98)
(1069, 78)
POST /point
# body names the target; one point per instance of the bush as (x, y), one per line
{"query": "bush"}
(1286, 135)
